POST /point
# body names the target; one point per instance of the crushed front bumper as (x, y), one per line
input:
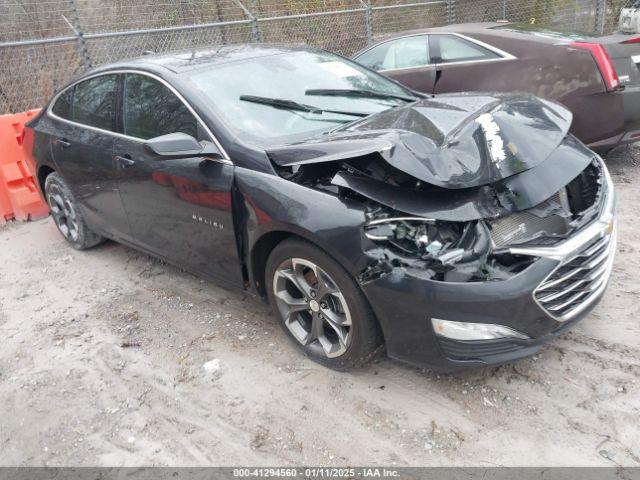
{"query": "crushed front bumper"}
(561, 287)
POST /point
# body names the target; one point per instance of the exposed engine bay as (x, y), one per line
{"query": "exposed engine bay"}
(475, 250)
(428, 219)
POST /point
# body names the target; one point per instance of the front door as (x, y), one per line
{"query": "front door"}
(179, 209)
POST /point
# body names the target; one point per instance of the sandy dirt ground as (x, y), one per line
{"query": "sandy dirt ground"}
(110, 357)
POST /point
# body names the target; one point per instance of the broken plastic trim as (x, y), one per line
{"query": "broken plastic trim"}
(382, 221)
(417, 237)
(427, 248)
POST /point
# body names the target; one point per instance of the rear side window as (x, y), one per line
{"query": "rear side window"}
(449, 48)
(62, 107)
(94, 102)
(152, 110)
(407, 52)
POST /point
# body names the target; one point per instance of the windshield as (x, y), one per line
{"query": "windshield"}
(277, 89)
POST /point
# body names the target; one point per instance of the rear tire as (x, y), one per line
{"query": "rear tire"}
(66, 214)
(321, 307)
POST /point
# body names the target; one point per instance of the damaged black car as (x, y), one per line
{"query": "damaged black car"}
(452, 230)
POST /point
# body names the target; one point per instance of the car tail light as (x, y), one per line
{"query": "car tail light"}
(600, 55)
(631, 40)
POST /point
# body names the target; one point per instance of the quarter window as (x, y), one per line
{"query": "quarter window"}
(407, 52)
(449, 48)
(152, 110)
(94, 102)
(62, 107)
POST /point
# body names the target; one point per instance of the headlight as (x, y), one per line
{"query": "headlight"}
(608, 213)
(473, 331)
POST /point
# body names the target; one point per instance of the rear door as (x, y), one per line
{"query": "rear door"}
(179, 209)
(404, 59)
(84, 118)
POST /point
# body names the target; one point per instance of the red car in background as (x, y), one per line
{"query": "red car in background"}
(597, 78)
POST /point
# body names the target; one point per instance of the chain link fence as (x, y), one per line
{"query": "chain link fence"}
(44, 43)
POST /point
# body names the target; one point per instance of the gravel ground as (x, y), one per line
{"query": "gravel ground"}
(110, 357)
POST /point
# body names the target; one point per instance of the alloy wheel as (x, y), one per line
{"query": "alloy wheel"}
(312, 307)
(63, 213)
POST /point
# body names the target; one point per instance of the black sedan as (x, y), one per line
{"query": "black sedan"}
(457, 230)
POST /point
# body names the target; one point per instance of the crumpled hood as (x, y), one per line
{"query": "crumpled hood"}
(452, 141)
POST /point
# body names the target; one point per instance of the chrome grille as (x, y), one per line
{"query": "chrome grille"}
(578, 281)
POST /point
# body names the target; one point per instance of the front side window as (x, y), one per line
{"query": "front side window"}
(152, 110)
(449, 48)
(94, 102)
(407, 52)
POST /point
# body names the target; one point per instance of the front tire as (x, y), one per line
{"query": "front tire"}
(321, 307)
(66, 215)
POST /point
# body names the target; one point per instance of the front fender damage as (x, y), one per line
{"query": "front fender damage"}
(445, 200)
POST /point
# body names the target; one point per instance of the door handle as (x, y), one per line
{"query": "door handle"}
(63, 142)
(124, 161)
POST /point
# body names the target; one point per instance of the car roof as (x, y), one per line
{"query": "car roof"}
(455, 28)
(513, 30)
(202, 57)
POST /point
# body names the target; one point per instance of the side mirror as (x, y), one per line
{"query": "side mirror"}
(181, 145)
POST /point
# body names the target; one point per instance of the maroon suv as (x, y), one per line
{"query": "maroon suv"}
(598, 79)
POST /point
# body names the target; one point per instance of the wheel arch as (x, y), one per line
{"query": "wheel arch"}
(260, 254)
(43, 172)
(267, 241)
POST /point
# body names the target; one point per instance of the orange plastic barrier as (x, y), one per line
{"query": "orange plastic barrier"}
(19, 197)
